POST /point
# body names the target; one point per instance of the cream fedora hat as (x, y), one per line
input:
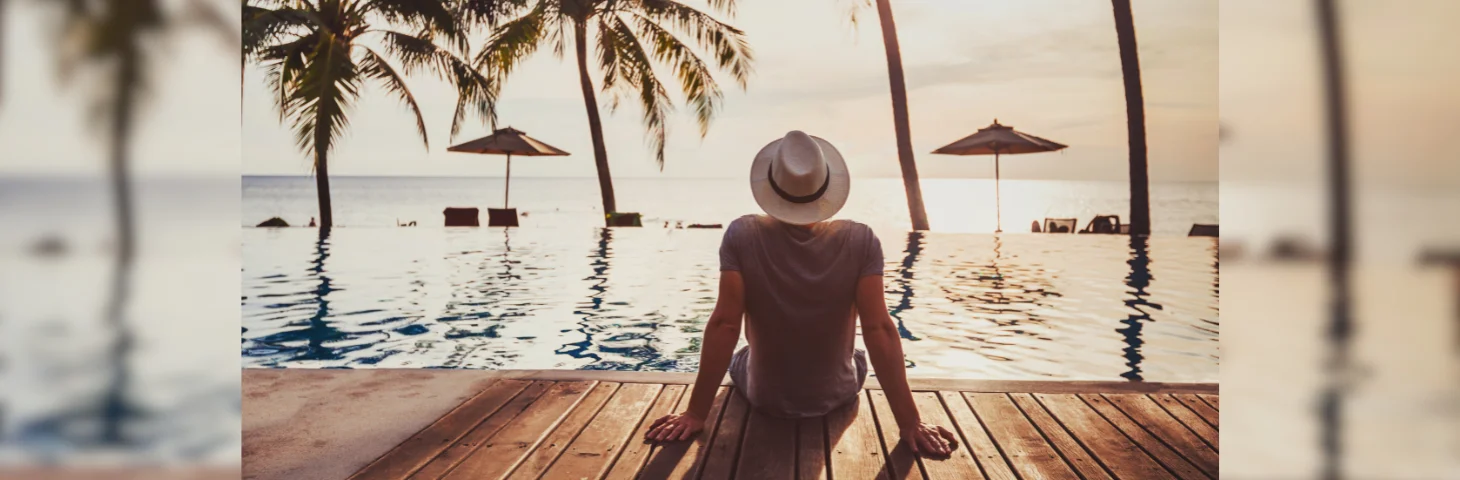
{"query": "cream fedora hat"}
(800, 179)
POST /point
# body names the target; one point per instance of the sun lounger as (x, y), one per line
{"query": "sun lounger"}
(1060, 225)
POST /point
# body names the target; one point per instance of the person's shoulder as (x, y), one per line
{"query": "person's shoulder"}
(853, 227)
(746, 223)
(749, 218)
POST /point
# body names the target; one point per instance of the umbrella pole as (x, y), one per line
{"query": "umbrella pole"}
(507, 192)
(998, 199)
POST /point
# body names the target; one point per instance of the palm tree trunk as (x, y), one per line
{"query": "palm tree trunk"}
(1135, 119)
(322, 177)
(900, 125)
(595, 124)
(114, 405)
(1340, 331)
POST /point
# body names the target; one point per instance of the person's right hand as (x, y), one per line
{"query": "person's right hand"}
(672, 428)
(928, 440)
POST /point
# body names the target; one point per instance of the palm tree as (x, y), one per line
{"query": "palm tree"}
(900, 124)
(318, 53)
(1135, 119)
(112, 42)
(630, 38)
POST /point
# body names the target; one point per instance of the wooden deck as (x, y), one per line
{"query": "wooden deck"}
(576, 425)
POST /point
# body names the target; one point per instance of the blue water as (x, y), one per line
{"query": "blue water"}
(1012, 306)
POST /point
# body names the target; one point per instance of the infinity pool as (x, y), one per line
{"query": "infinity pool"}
(1013, 306)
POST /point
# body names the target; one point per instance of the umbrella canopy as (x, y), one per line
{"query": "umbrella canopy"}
(508, 141)
(999, 139)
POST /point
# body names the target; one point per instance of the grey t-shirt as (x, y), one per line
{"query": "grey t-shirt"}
(800, 312)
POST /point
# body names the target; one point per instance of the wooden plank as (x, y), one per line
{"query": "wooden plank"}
(501, 453)
(1212, 400)
(413, 453)
(1163, 453)
(1022, 444)
(970, 428)
(903, 463)
(1047, 386)
(683, 459)
(1168, 429)
(960, 464)
(478, 436)
(550, 448)
(720, 460)
(1116, 452)
(593, 452)
(811, 449)
(1075, 455)
(917, 384)
(768, 450)
(1189, 418)
(851, 436)
(1206, 412)
(637, 451)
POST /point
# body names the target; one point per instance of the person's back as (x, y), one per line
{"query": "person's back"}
(800, 284)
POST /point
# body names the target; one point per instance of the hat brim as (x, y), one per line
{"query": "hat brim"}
(800, 213)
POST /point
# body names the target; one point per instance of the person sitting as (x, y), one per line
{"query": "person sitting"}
(797, 282)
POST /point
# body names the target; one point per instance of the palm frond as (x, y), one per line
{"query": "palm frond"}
(512, 43)
(284, 65)
(429, 17)
(635, 71)
(473, 88)
(695, 79)
(727, 43)
(374, 66)
(485, 12)
(329, 83)
(263, 27)
(855, 9)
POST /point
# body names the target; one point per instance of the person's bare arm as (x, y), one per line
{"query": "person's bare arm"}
(721, 334)
(884, 348)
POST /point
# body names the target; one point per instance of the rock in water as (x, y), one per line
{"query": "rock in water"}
(274, 222)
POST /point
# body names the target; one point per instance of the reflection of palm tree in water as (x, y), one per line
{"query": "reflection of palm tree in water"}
(583, 349)
(1139, 279)
(319, 330)
(904, 281)
(639, 347)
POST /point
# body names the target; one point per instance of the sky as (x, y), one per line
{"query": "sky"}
(1050, 68)
(1047, 67)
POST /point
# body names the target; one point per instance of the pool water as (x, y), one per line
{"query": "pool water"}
(1005, 306)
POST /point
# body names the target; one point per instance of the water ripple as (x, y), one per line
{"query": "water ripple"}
(1015, 306)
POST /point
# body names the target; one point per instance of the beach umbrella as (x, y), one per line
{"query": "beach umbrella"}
(508, 141)
(997, 139)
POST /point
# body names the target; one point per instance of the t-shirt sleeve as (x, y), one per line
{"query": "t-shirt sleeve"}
(729, 251)
(872, 263)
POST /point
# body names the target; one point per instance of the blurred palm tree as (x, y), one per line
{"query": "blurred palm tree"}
(631, 36)
(319, 53)
(110, 43)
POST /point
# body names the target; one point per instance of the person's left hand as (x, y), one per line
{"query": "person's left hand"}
(671, 428)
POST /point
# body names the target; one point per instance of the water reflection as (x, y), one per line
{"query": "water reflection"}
(904, 283)
(589, 311)
(972, 306)
(1138, 280)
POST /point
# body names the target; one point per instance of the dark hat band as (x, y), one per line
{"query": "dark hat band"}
(770, 175)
